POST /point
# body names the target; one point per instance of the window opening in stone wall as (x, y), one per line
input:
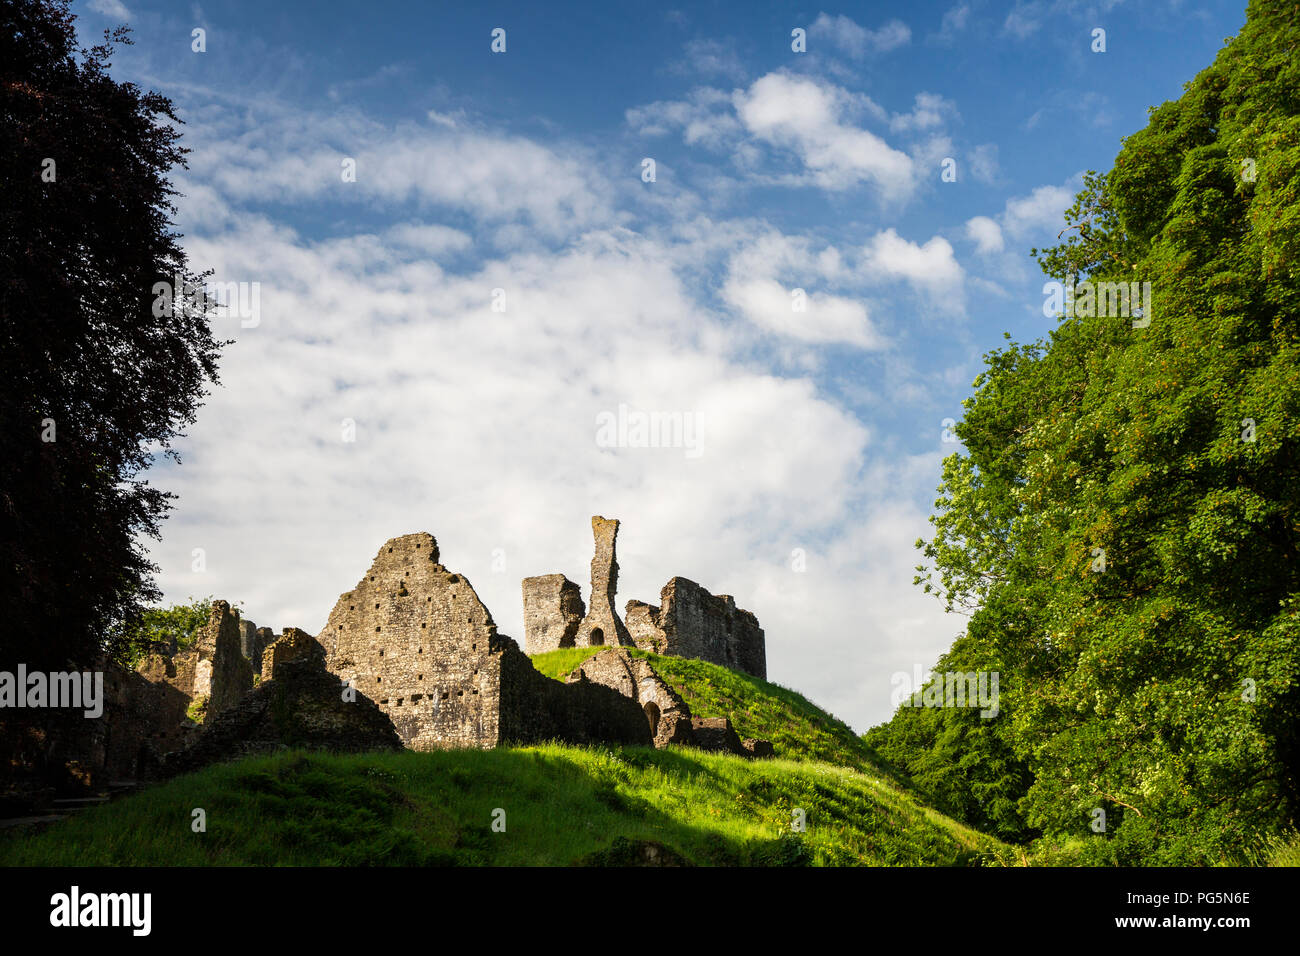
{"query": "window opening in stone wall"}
(597, 636)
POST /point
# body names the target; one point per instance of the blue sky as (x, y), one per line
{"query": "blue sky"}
(811, 441)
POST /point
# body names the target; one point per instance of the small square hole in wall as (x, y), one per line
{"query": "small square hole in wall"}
(460, 693)
(428, 599)
(424, 625)
(421, 651)
(381, 650)
(376, 606)
(390, 551)
(475, 690)
(380, 680)
(384, 701)
(376, 628)
(419, 677)
(399, 701)
(352, 607)
(372, 577)
(469, 620)
(473, 647)
(444, 695)
(408, 574)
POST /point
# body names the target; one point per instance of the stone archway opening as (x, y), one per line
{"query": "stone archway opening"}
(652, 715)
(597, 637)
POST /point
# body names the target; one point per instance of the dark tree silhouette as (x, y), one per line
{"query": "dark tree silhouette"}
(93, 383)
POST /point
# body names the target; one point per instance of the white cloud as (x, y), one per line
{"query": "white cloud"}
(858, 41)
(1042, 210)
(806, 117)
(931, 110)
(110, 8)
(984, 163)
(954, 22)
(930, 268)
(986, 233)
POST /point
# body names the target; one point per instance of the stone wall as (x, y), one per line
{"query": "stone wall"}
(666, 714)
(222, 674)
(294, 645)
(691, 622)
(602, 625)
(416, 639)
(553, 609)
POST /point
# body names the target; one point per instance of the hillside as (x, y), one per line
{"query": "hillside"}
(798, 728)
(564, 805)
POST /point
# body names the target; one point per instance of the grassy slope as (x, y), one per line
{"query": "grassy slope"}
(563, 805)
(798, 729)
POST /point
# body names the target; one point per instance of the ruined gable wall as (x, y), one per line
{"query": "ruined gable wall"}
(415, 638)
(553, 610)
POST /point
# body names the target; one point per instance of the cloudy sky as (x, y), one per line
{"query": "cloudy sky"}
(465, 264)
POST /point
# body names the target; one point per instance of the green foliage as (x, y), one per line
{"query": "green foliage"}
(564, 805)
(176, 626)
(197, 711)
(96, 385)
(1162, 686)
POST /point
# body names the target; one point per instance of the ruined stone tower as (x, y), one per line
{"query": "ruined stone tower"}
(689, 621)
(602, 625)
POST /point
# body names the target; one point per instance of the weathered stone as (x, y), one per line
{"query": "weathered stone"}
(691, 622)
(666, 714)
(222, 674)
(305, 706)
(602, 625)
(294, 645)
(553, 610)
(716, 733)
(415, 637)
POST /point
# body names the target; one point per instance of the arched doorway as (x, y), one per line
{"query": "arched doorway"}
(652, 715)
(597, 637)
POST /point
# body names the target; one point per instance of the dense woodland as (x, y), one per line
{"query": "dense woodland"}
(1122, 525)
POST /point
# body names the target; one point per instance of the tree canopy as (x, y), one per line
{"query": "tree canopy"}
(1123, 525)
(94, 381)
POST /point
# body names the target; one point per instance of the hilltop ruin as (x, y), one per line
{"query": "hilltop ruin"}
(411, 657)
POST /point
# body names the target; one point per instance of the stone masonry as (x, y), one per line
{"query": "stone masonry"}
(415, 638)
(691, 622)
(602, 625)
(553, 610)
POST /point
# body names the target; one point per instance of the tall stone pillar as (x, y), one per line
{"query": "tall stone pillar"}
(602, 625)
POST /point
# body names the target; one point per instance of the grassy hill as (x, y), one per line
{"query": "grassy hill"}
(798, 728)
(563, 805)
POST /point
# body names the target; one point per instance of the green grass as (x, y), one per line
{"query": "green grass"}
(563, 805)
(798, 728)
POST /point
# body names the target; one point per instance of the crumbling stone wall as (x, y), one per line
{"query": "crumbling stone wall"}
(415, 638)
(222, 674)
(602, 625)
(553, 610)
(295, 645)
(691, 622)
(535, 708)
(666, 713)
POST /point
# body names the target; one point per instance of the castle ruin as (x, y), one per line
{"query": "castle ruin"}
(416, 647)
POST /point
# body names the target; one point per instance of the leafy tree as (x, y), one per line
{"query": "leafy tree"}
(1124, 525)
(94, 381)
(177, 627)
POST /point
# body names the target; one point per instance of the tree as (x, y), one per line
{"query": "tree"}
(95, 382)
(1125, 523)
